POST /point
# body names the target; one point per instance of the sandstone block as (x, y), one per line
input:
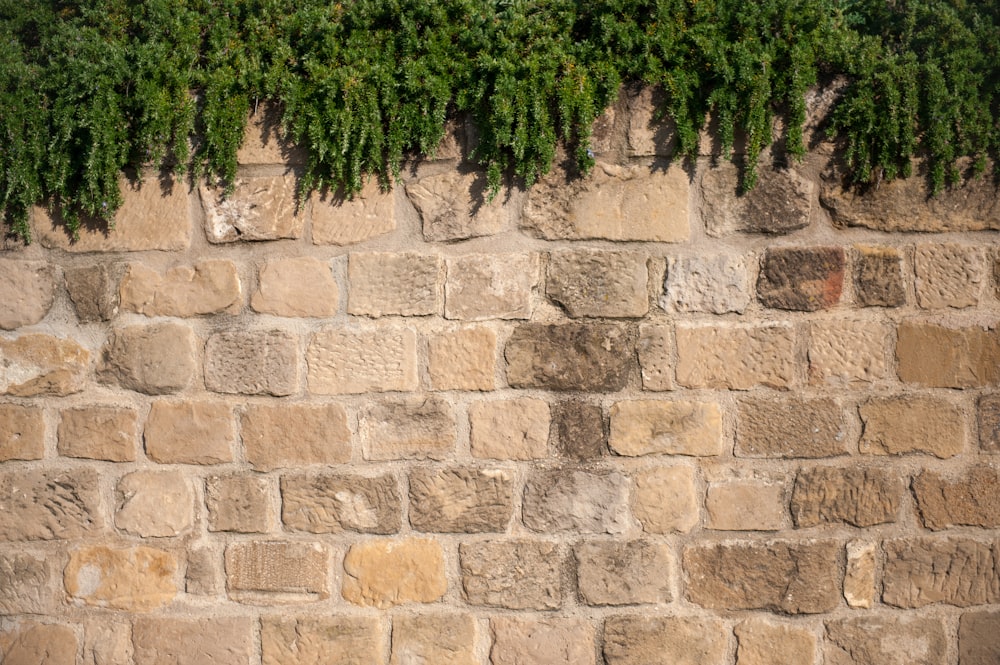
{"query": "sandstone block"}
(519, 641)
(878, 277)
(46, 505)
(461, 500)
(285, 435)
(514, 574)
(158, 359)
(988, 415)
(385, 573)
(765, 643)
(42, 365)
(190, 432)
(296, 286)
(779, 576)
(847, 351)
(453, 206)
(135, 579)
(203, 576)
(578, 501)
(252, 363)
(209, 287)
(857, 496)
(30, 643)
(99, 432)
(716, 284)
(655, 353)
(240, 503)
(154, 504)
(859, 579)
(949, 275)
(889, 640)
(26, 584)
(593, 357)
(650, 133)
(106, 641)
(22, 433)
(384, 283)
(736, 358)
(597, 283)
(509, 429)
(780, 202)
(648, 427)
(577, 430)
(172, 641)
(924, 571)
(442, 639)
(29, 288)
(340, 221)
(665, 499)
(490, 286)
(623, 572)
(332, 640)
(746, 506)
(978, 638)
(94, 291)
(791, 428)
(637, 640)
(463, 359)
(416, 428)
(331, 503)
(261, 208)
(361, 361)
(912, 424)
(265, 142)
(277, 571)
(969, 499)
(939, 357)
(805, 279)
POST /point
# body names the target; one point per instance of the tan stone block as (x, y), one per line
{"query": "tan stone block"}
(240, 503)
(925, 571)
(415, 428)
(577, 501)
(29, 288)
(978, 638)
(648, 427)
(252, 363)
(623, 572)
(361, 361)
(106, 641)
(296, 286)
(766, 643)
(190, 432)
(578, 431)
(859, 579)
(26, 583)
(941, 357)
(794, 427)
(988, 417)
(99, 432)
(971, 498)
(209, 287)
(514, 574)
(264, 140)
(157, 359)
(878, 277)
(442, 639)
(385, 573)
(780, 202)
(859, 497)
(461, 500)
(589, 357)
(157, 504)
(30, 643)
(718, 284)
(509, 429)
(949, 275)
(746, 505)
(650, 133)
(490, 286)
(336, 640)
(655, 352)
(42, 365)
(203, 576)
(331, 503)
(637, 640)
(847, 351)
(174, 640)
(886, 640)
(270, 572)
(597, 283)
(519, 641)
(665, 499)
(259, 208)
(385, 283)
(454, 206)
(337, 221)
(22, 433)
(94, 291)
(46, 505)
(463, 359)
(286, 435)
(912, 424)
(736, 358)
(135, 579)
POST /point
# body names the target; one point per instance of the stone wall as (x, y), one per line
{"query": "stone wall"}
(628, 419)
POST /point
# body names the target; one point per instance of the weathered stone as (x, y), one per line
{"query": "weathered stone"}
(650, 132)
(22, 432)
(442, 639)
(765, 643)
(970, 499)
(638, 640)
(857, 496)
(912, 424)
(385, 573)
(44, 505)
(190, 432)
(791, 428)
(136, 579)
(574, 356)
(623, 572)
(331, 503)
(240, 503)
(264, 140)
(648, 427)
(383, 283)
(338, 221)
(988, 415)
(656, 359)
(454, 206)
(286, 435)
(804, 279)
(203, 576)
(26, 584)
(509, 429)
(336, 640)
(716, 284)
(463, 359)
(515, 574)
(578, 501)
(949, 275)
(847, 351)
(94, 292)
(878, 277)
(106, 641)
(519, 641)
(859, 578)
(780, 202)
(736, 358)
(665, 501)
(939, 357)
(277, 571)
(157, 359)
(780, 576)
(577, 431)
(888, 640)
(956, 571)
(154, 504)
(173, 641)
(597, 283)
(99, 432)
(261, 208)
(209, 287)
(42, 365)
(296, 286)
(978, 638)
(29, 287)
(252, 363)
(746, 506)
(490, 286)
(461, 500)
(30, 643)
(362, 361)
(416, 428)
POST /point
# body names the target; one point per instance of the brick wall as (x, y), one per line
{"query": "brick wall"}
(628, 419)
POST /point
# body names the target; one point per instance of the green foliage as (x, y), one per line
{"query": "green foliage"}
(90, 89)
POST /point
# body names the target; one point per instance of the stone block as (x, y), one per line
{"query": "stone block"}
(509, 429)
(158, 359)
(886, 640)
(385, 573)
(454, 206)
(577, 432)
(415, 428)
(258, 208)
(30, 643)
(746, 505)
(265, 142)
(988, 416)
(26, 583)
(263, 362)
(38, 364)
(949, 275)
(978, 638)
(296, 286)
(22, 432)
(925, 571)
(134, 579)
(29, 288)
(615, 572)
(717, 284)
(203, 576)
(971, 498)
(764, 642)
(649, 427)
(638, 640)
(780, 203)
(154, 504)
(859, 577)
(512, 574)
(176, 640)
(369, 214)
(859, 497)
(804, 279)
(490, 286)
(333, 503)
(273, 571)
(598, 283)
(518, 641)
(209, 287)
(791, 427)
(463, 359)
(362, 361)
(240, 503)
(47, 505)
(331, 640)
(592, 357)
(578, 501)
(278, 436)
(846, 352)
(878, 277)
(94, 291)
(106, 641)
(650, 132)
(190, 432)
(461, 500)
(385, 284)
(442, 639)
(107, 433)
(941, 357)
(665, 499)
(736, 358)
(912, 424)
(655, 350)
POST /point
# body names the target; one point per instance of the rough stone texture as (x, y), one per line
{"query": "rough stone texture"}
(717, 284)
(259, 569)
(261, 208)
(649, 132)
(888, 640)
(190, 432)
(385, 573)
(461, 500)
(949, 275)
(441, 639)
(912, 424)
(638, 640)
(297, 286)
(338, 221)
(203, 576)
(847, 351)
(857, 496)
(969, 499)
(45, 505)
(29, 289)
(577, 431)
(509, 429)
(94, 291)
(337, 640)
(746, 506)
(765, 643)
(988, 415)
(542, 642)
(463, 359)
(956, 571)
(597, 283)
(513, 574)
(26, 583)
(878, 277)
(332, 503)
(490, 286)
(648, 427)
(978, 638)
(939, 357)
(158, 359)
(614, 572)
(791, 427)
(453, 206)
(30, 643)
(252, 363)
(577, 501)
(106, 641)
(780, 202)
(803, 279)
(135, 579)
(383, 283)
(360, 361)
(285, 435)
(240, 503)
(22, 433)
(99, 432)
(264, 141)
(859, 578)
(154, 504)
(413, 428)
(800, 577)
(655, 352)
(180, 641)
(209, 287)
(736, 358)
(664, 499)
(573, 356)
(42, 365)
